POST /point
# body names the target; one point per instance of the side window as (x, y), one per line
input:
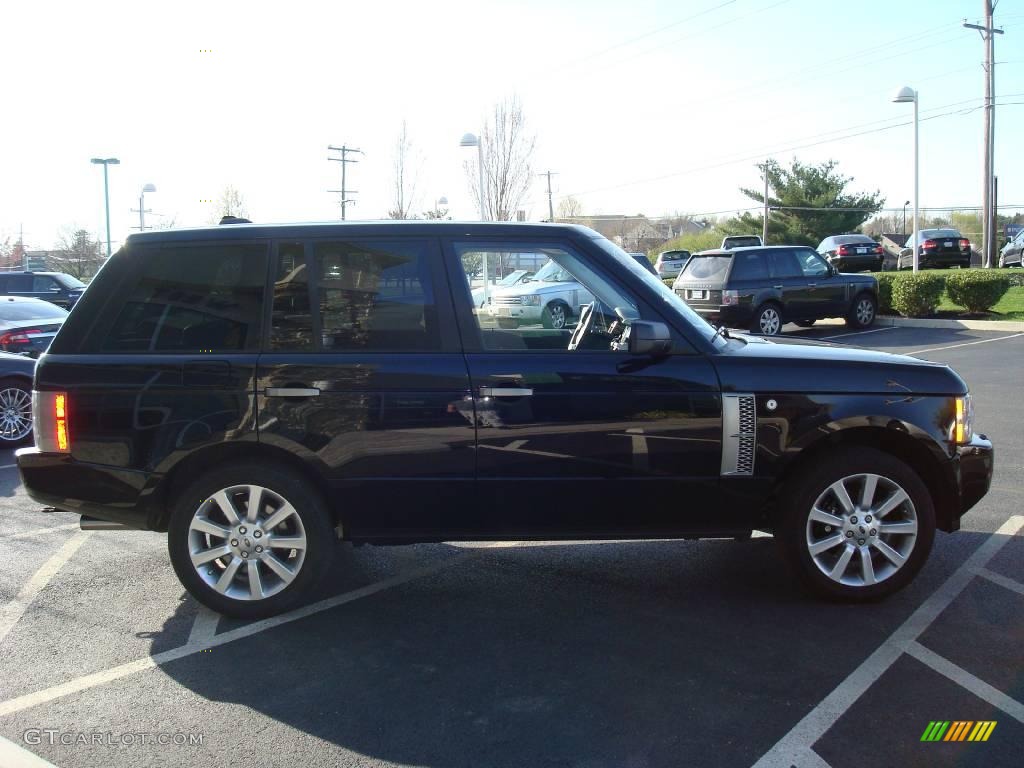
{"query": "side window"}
(44, 284)
(192, 299)
(811, 264)
(749, 266)
(291, 322)
(376, 296)
(544, 311)
(19, 283)
(783, 263)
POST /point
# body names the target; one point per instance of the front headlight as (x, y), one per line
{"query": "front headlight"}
(962, 429)
(530, 300)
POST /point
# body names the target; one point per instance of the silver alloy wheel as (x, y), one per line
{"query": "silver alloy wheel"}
(15, 414)
(557, 314)
(865, 311)
(769, 321)
(863, 542)
(252, 526)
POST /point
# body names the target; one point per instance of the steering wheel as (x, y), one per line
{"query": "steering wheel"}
(584, 326)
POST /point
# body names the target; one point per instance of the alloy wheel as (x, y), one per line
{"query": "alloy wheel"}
(247, 542)
(865, 311)
(769, 321)
(557, 312)
(15, 414)
(863, 542)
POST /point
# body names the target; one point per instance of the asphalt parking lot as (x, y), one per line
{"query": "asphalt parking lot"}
(533, 654)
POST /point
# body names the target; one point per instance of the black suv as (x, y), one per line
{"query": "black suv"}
(764, 288)
(259, 391)
(54, 287)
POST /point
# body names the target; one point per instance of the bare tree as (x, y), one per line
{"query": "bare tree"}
(508, 153)
(407, 165)
(230, 203)
(569, 208)
(76, 254)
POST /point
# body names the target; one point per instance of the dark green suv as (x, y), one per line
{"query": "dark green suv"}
(56, 287)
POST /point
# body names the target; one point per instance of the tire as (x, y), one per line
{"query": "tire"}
(767, 320)
(856, 568)
(202, 503)
(804, 323)
(556, 315)
(15, 413)
(863, 311)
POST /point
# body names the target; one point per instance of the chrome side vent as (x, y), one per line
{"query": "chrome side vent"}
(739, 434)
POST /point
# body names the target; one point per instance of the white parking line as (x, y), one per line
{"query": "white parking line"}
(997, 578)
(798, 742)
(204, 627)
(13, 755)
(86, 682)
(13, 611)
(963, 344)
(858, 333)
(8, 466)
(965, 679)
(38, 531)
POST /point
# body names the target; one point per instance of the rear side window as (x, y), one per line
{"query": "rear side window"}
(749, 266)
(192, 299)
(713, 268)
(18, 284)
(376, 296)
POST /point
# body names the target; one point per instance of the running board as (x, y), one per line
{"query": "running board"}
(92, 524)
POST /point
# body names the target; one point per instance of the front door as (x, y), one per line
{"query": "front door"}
(826, 296)
(363, 377)
(576, 437)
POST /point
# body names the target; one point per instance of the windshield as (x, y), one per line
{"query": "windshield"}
(31, 310)
(675, 255)
(711, 268)
(552, 273)
(512, 277)
(68, 281)
(927, 233)
(847, 239)
(698, 323)
(740, 242)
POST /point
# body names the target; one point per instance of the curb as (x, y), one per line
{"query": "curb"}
(888, 321)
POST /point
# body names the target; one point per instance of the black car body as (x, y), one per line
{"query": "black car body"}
(256, 390)
(764, 288)
(27, 326)
(55, 287)
(16, 372)
(1012, 253)
(936, 249)
(852, 253)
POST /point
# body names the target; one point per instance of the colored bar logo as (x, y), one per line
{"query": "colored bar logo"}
(958, 730)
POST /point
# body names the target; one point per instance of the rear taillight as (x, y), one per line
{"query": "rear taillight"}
(730, 297)
(928, 244)
(844, 250)
(16, 338)
(878, 249)
(51, 417)
(965, 244)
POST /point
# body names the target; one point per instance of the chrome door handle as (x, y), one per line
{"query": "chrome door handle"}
(777, 287)
(505, 391)
(812, 286)
(291, 392)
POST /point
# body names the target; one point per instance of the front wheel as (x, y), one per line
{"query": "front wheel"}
(857, 525)
(249, 540)
(15, 413)
(555, 315)
(862, 313)
(767, 320)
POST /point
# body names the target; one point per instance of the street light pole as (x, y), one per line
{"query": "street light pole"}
(105, 161)
(142, 205)
(904, 95)
(904, 230)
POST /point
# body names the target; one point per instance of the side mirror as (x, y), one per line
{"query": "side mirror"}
(646, 338)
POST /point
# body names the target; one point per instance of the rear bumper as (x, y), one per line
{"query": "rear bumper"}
(974, 471)
(106, 493)
(857, 263)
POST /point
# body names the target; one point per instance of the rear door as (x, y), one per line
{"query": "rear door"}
(362, 376)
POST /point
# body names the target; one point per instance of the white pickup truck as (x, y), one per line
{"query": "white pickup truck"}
(552, 297)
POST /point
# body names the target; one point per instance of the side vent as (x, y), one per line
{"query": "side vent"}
(739, 434)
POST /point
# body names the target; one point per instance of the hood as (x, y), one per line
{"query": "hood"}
(757, 364)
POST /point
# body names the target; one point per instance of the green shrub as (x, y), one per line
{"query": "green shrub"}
(977, 290)
(885, 280)
(916, 295)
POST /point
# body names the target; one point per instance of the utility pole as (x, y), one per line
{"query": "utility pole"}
(551, 207)
(344, 160)
(988, 33)
(764, 224)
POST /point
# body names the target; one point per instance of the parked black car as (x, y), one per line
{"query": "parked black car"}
(1012, 254)
(27, 326)
(16, 373)
(259, 391)
(55, 287)
(852, 253)
(936, 249)
(764, 288)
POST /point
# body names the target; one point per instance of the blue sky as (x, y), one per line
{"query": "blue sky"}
(652, 107)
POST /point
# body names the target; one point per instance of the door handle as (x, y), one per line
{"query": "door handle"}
(812, 286)
(777, 287)
(505, 391)
(291, 392)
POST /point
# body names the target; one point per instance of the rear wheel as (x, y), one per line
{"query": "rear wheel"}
(15, 412)
(249, 540)
(767, 320)
(857, 525)
(862, 311)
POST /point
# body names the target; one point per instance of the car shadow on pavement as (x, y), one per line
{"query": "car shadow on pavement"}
(596, 654)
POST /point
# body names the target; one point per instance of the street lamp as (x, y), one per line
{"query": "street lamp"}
(905, 95)
(905, 217)
(142, 206)
(105, 161)
(470, 140)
